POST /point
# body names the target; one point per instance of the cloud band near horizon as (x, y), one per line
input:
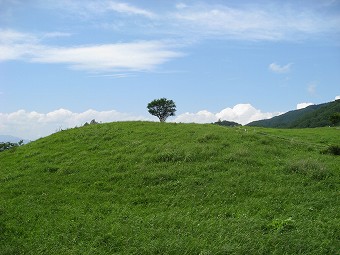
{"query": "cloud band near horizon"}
(33, 125)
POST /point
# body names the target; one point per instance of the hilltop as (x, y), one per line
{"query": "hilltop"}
(166, 188)
(309, 117)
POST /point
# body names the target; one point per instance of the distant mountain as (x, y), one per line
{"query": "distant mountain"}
(11, 139)
(309, 117)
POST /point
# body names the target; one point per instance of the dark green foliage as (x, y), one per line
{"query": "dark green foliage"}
(93, 122)
(309, 117)
(162, 108)
(333, 150)
(151, 188)
(335, 118)
(9, 145)
(227, 123)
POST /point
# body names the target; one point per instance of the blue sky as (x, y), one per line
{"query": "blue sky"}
(63, 63)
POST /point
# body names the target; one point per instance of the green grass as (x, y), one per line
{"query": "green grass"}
(161, 188)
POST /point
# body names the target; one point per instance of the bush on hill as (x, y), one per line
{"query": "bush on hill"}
(9, 145)
(227, 123)
(333, 150)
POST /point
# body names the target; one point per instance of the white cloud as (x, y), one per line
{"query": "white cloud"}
(312, 88)
(133, 56)
(247, 22)
(115, 75)
(129, 9)
(18, 51)
(89, 9)
(199, 117)
(241, 21)
(243, 114)
(145, 55)
(280, 69)
(337, 97)
(8, 36)
(302, 105)
(240, 113)
(32, 125)
(15, 45)
(56, 34)
(181, 6)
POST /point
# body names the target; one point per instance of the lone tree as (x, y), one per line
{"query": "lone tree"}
(162, 108)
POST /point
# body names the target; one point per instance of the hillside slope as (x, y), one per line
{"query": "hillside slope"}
(309, 117)
(161, 188)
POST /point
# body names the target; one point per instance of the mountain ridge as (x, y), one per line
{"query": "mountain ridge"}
(11, 139)
(310, 117)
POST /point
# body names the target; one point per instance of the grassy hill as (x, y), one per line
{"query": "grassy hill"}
(309, 117)
(161, 188)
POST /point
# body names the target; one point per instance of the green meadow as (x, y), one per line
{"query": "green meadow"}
(166, 188)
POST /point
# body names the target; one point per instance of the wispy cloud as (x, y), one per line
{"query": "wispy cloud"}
(144, 55)
(56, 34)
(133, 56)
(9, 36)
(90, 8)
(129, 9)
(181, 6)
(188, 22)
(15, 45)
(277, 21)
(312, 88)
(117, 75)
(276, 68)
(255, 23)
(337, 97)
(16, 51)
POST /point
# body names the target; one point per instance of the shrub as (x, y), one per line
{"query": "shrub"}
(310, 168)
(9, 145)
(333, 150)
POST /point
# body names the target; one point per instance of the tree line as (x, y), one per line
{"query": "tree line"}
(8, 145)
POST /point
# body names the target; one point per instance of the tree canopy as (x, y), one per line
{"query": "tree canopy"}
(162, 108)
(335, 118)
